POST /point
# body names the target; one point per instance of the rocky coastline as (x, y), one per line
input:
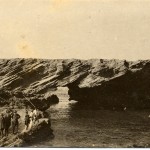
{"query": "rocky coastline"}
(107, 83)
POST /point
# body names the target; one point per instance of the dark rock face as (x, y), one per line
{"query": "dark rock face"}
(44, 103)
(52, 99)
(130, 89)
(105, 83)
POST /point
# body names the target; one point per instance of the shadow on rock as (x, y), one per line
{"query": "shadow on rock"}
(40, 131)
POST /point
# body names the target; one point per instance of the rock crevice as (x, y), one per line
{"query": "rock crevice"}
(108, 83)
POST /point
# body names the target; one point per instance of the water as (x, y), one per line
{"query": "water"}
(75, 125)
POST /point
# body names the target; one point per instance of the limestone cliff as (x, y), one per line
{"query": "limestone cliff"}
(108, 83)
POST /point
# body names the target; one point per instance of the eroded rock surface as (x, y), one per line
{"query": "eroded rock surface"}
(108, 83)
(40, 130)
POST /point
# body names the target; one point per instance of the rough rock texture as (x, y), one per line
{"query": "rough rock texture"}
(108, 83)
(39, 131)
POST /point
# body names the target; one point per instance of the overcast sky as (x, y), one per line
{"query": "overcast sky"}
(75, 29)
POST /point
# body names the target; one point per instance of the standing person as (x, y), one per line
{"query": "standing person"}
(27, 120)
(36, 115)
(31, 119)
(2, 124)
(31, 115)
(12, 104)
(7, 122)
(15, 122)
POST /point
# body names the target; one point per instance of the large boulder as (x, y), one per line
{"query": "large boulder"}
(40, 131)
(43, 103)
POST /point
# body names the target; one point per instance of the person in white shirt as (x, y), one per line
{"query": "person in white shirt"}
(31, 115)
(35, 115)
(31, 119)
(35, 112)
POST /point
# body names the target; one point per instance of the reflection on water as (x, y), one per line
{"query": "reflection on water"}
(78, 126)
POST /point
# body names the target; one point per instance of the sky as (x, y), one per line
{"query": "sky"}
(82, 29)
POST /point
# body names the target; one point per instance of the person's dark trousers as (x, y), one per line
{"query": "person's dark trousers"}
(6, 131)
(15, 126)
(2, 132)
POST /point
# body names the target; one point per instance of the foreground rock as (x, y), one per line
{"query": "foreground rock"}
(39, 132)
(108, 83)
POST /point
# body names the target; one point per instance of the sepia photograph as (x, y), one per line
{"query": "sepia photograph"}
(75, 73)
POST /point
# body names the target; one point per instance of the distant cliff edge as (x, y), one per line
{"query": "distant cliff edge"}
(106, 83)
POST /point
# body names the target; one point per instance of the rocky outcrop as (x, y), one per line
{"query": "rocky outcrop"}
(105, 83)
(40, 130)
(43, 103)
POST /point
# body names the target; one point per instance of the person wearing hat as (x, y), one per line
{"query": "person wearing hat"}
(15, 122)
(2, 124)
(7, 117)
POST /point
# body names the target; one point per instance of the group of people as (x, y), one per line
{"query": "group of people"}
(11, 118)
(31, 117)
(6, 120)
